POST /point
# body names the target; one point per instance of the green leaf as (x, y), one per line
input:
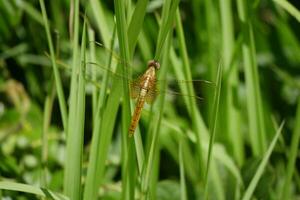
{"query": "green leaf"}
(289, 8)
(250, 189)
(5, 185)
(167, 190)
(73, 170)
(213, 125)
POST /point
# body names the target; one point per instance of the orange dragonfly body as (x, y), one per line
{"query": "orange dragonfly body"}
(144, 89)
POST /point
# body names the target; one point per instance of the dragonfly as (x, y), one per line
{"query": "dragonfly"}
(143, 89)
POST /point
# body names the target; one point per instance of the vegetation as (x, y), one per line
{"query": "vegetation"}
(65, 107)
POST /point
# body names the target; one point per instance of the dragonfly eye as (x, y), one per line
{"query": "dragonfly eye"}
(154, 63)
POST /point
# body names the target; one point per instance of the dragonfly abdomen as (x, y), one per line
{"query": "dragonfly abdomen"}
(146, 84)
(137, 114)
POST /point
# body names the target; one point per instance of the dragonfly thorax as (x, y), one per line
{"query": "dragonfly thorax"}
(148, 79)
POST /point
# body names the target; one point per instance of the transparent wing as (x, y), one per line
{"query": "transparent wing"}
(135, 88)
(186, 82)
(179, 91)
(152, 94)
(186, 89)
(103, 68)
(179, 94)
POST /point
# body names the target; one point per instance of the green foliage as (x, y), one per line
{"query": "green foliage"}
(65, 107)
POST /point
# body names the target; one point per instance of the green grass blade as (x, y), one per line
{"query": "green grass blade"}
(167, 25)
(250, 189)
(101, 20)
(212, 35)
(147, 177)
(197, 122)
(102, 134)
(257, 130)
(292, 156)
(92, 57)
(211, 54)
(230, 122)
(289, 8)
(72, 184)
(223, 158)
(20, 187)
(102, 129)
(183, 191)
(128, 168)
(218, 189)
(32, 12)
(61, 96)
(105, 80)
(140, 153)
(46, 122)
(213, 125)
(136, 23)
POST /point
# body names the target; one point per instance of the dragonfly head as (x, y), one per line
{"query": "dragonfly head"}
(154, 63)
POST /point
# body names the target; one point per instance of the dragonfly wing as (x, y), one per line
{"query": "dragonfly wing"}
(151, 95)
(135, 88)
(179, 88)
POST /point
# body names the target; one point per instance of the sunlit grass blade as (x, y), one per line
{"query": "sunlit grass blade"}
(60, 94)
(250, 189)
(128, 155)
(36, 15)
(101, 20)
(212, 36)
(136, 22)
(102, 134)
(99, 100)
(213, 124)
(20, 187)
(289, 8)
(217, 188)
(92, 58)
(257, 130)
(224, 158)
(230, 122)
(72, 184)
(211, 54)
(104, 118)
(145, 46)
(166, 23)
(287, 37)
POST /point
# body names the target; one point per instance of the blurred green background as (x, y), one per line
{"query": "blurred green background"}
(255, 42)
